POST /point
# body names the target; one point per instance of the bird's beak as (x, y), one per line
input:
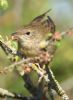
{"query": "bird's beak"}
(14, 36)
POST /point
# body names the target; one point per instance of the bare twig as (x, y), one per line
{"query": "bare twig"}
(12, 66)
(5, 93)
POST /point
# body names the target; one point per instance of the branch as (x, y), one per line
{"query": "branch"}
(12, 66)
(7, 49)
(34, 66)
(5, 93)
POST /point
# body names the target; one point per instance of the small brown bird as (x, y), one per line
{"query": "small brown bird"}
(34, 37)
(38, 39)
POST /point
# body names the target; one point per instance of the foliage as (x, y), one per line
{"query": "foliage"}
(4, 4)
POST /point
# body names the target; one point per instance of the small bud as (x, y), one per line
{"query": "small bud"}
(57, 44)
(49, 34)
(43, 44)
(57, 36)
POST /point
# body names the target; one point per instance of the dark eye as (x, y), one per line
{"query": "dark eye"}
(27, 33)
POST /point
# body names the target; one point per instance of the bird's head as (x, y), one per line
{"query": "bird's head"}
(36, 33)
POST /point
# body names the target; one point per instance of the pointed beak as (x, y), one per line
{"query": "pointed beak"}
(14, 36)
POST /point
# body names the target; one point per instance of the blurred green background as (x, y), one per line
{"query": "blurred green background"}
(21, 12)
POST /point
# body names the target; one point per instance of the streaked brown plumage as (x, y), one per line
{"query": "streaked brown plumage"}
(30, 36)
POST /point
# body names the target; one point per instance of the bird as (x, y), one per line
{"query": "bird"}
(33, 38)
(37, 39)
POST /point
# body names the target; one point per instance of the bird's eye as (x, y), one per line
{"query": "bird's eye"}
(27, 33)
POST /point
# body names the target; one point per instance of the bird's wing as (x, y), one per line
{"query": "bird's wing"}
(43, 23)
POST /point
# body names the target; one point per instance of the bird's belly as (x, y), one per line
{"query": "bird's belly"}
(30, 53)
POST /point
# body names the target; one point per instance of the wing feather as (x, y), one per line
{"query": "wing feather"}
(43, 23)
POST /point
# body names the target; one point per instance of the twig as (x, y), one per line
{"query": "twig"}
(12, 66)
(7, 48)
(5, 93)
